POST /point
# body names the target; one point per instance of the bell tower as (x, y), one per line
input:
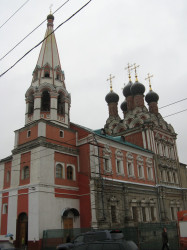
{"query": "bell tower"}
(47, 97)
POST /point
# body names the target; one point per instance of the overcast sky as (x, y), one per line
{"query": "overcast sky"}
(100, 40)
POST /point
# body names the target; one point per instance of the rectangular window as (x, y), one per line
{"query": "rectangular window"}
(61, 133)
(143, 214)
(130, 169)
(5, 208)
(28, 133)
(140, 171)
(149, 173)
(118, 165)
(153, 214)
(135, 214)
(106, 164)
(113, 213)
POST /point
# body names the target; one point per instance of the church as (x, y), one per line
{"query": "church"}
(62, 175)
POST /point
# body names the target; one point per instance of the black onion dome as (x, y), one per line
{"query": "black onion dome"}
(124, 106)
(112, 97)
(127, 89)
(151, 96)
(137, 88)
(50, 16)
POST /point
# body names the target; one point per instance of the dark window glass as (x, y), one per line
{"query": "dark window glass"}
(45, 105)
(69, 173)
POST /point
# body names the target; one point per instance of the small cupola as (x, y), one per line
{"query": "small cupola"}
(112, 99)
(152, 97)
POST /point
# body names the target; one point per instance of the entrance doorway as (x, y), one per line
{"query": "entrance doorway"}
(68, 223)
(22, 230)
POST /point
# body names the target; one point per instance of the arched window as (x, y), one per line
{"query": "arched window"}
(25, 173)
(69, 172)
(61, 104)
(45, 105)
(59, 171)
(47, 71)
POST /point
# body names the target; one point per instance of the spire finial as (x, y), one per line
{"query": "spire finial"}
(110, 79)
(149, 78)
(129, 70)
(50, 7)
(135, 67)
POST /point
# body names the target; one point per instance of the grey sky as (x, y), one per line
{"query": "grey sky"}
(98, 41)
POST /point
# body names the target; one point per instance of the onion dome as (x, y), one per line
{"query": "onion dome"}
(127, 89)
(50, 16)
(151, 96)
(124, 106)
(112, 97)
(137, 88)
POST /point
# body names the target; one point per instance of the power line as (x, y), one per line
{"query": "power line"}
(175, 113)
(31, 32)
(14, 13)
(173, 103)
(45, 38)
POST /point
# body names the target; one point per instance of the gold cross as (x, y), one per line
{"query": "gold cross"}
(50, 7)
(129, 70)
(110, 79)
(149, 78)
(135, 67)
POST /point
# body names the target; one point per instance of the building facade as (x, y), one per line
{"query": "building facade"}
(61, 175)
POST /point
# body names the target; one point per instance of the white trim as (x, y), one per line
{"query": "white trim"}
(144, 139)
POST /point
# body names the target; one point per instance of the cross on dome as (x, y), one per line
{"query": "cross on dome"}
(110, 79)
(149, 78)
(128, 68)
(50, 8)
(135, 67)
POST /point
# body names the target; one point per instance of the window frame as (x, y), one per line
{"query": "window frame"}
(25, 173)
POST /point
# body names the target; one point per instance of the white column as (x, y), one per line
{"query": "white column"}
(37, 106)
(53, 109)
(16, 138)
(33, 216)
(12, 212)
(144, 139)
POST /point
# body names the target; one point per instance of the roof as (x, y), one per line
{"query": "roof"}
(119, 139)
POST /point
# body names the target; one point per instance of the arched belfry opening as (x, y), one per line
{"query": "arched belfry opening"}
(45, 101)
(61, 104)
(22, 231)
(31, 104)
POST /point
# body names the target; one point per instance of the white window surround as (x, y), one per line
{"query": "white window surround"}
(130, 165)
(119, 162)
(107, 165)
(107, 159)
(149, 165)
(140, 167)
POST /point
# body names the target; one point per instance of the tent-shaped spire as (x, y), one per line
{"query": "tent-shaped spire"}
(49, 51)
(47, 97)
